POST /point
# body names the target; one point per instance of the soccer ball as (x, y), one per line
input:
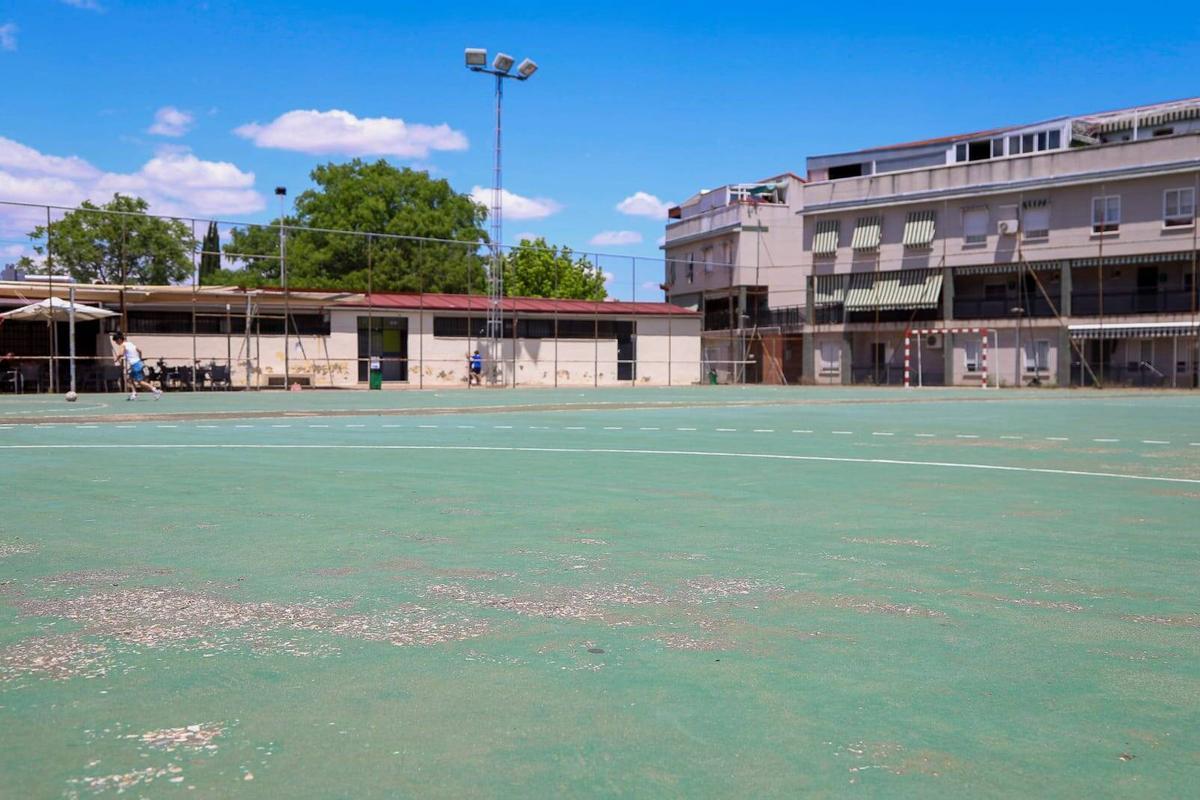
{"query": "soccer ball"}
(72, 397)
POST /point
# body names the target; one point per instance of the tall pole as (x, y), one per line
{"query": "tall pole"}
(476, 61)
(281, 191)
(495, 319)
(71, 320)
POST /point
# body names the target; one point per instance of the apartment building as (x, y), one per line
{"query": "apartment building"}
(734, 253)
(1071, 242)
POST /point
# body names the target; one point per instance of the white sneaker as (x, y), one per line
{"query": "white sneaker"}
(157, 394)
(132, 396)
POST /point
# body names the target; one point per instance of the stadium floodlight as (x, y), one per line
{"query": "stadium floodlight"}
(526, 68)
(503, 62)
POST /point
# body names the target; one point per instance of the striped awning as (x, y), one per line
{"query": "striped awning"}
(894, 291)
(1144, 258)
(868, 233)
(1134, 330)
(919, 228)
(1148, 119)
(829, 290)
(825, 240)
(1010, 268)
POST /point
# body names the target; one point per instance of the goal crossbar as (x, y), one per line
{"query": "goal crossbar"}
(983, 351)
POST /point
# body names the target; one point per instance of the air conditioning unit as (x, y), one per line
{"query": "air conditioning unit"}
(933, 341)
(1008, 227)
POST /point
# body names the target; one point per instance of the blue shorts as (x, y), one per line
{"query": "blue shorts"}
(137, 372)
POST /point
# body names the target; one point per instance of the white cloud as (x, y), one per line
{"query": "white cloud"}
(616, 238)
(642, 204)
(609, 279)
(8, 36)
(170, 121)
(87, 5)
(652, 286)
(175, 182)
(318, 132)
(515, 206)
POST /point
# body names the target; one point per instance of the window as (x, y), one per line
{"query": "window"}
(975, 223)
(1055, 139)
(997, 148)
(464, 327)
(708, 262)
(845, 171)
(825, 239)
(971, 356)
(830, 356)
(1106, 214)
(691, 268)
(1035, 214)
(1037, 355)
(995, 291)
(535, 328)
(1163, 131)
(1179, 207)
(670, 273)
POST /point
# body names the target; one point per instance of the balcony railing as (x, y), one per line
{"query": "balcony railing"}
(1135, 302)
(1000, 307)
(787, 317)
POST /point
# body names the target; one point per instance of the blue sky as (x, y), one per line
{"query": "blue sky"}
(657, 98)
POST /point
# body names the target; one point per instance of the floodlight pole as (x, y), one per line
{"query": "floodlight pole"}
(495, 310)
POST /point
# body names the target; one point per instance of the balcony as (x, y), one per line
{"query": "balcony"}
(970, 177)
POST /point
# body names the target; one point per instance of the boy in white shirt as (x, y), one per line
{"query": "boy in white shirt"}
(128, 352)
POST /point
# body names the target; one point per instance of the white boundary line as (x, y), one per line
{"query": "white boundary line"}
(611, 451)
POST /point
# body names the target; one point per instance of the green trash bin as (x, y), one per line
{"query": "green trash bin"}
(376, 374)
(712, 377)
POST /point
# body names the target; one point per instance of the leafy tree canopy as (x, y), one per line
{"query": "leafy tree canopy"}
(376, 198)
(537, 269)
(128, 247)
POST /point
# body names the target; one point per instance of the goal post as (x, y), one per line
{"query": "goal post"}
(920, 332)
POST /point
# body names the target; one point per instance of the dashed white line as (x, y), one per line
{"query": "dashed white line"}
(763, 430)
(281, 426)
(842, 433)
(127, 426)
(685, 429)
(1106, 440)
(393, 425)
(801, 431)
(318, 426)
(923, 435)
(84, 427)
(173, 426)
(427, 426)
(208, 427)
(1154, 441)
(1012, 437)
(1057, 439)
(727, 430)
(356, 425)
(613, 428)
(881, 433)
(236, 426)
(575, 428)
(539, 428)
(649, 429)
(503, 427)
(464, 427)
(965, 436)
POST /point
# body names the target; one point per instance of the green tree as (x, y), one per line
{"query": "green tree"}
(373, 198)
(536, 269)
(210, 255)
(127, 247)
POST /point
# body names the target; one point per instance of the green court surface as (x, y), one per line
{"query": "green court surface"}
(701, 592)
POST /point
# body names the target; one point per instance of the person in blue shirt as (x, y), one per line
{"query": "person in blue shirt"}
(476, 369)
